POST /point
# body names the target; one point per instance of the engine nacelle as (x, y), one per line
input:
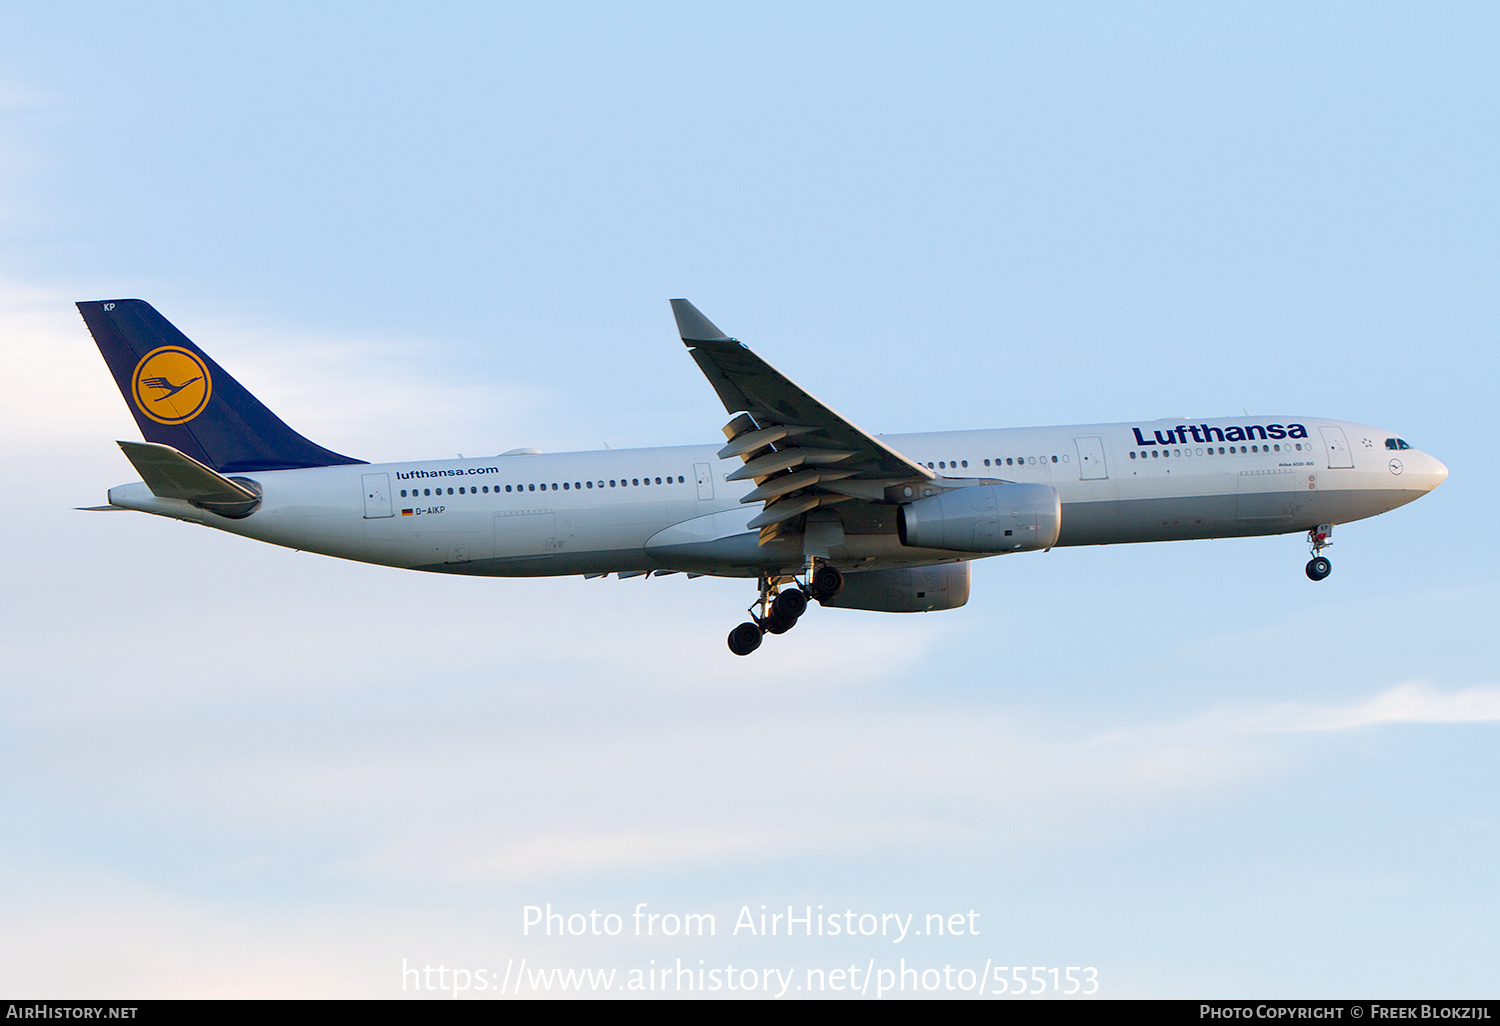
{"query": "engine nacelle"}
(918, 590)
(984, 518)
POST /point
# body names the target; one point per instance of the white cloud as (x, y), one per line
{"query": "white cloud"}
(372, 398)
(1404, 703)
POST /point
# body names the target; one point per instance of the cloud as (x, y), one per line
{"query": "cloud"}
(375, 398)
(1404, 703)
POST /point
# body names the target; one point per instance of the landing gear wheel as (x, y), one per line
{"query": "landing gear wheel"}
(744, 639)
(826, 582)
(779, 623)
(1318, 568)
(790, 604)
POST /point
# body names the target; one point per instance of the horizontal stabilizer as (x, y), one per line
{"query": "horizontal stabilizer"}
(174, 475)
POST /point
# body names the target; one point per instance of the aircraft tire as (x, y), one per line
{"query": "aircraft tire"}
(1318, 568)
(790, 604)
(827, 581)
(779, 622)
(744, 639)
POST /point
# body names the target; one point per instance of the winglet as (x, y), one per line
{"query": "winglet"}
(693, 326)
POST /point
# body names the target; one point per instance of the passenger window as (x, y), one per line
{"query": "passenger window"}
(565, 486)
(426, 491)
(635, 481)
(611, 484)
(986, 463)
(589, 484)
(1008, 461)
(403, 493)
(1054, 459)
(531, 487)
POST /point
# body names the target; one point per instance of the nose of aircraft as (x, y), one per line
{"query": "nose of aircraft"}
(1434, 473)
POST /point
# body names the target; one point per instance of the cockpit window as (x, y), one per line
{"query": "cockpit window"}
(1396, 443)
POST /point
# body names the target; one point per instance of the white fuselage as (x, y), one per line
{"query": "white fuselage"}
(630, 510)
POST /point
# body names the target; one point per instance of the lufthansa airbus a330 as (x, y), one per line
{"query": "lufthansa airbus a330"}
(798, 498)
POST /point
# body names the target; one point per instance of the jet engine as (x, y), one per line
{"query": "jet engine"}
(984, 518)
(918, 590)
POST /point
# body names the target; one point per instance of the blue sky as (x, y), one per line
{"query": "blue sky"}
(236, 770)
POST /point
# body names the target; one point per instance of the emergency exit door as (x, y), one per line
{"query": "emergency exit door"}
(377, 495)
(705, 476)
(1091, 459)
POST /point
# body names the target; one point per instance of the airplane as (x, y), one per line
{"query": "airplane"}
(798, 498)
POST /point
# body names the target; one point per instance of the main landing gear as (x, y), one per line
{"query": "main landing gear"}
(781, 607)
(1319, 567)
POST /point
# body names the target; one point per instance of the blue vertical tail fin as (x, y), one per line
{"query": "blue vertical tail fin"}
(181, 398)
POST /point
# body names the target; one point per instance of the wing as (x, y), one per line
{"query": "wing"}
(800, 453)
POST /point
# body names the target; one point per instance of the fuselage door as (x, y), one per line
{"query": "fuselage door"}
(705, 476)
(377, 495)
(1091, 459)
(1339, 456)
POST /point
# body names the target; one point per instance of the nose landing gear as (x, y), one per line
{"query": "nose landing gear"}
(1319, 567)
(779, 610)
